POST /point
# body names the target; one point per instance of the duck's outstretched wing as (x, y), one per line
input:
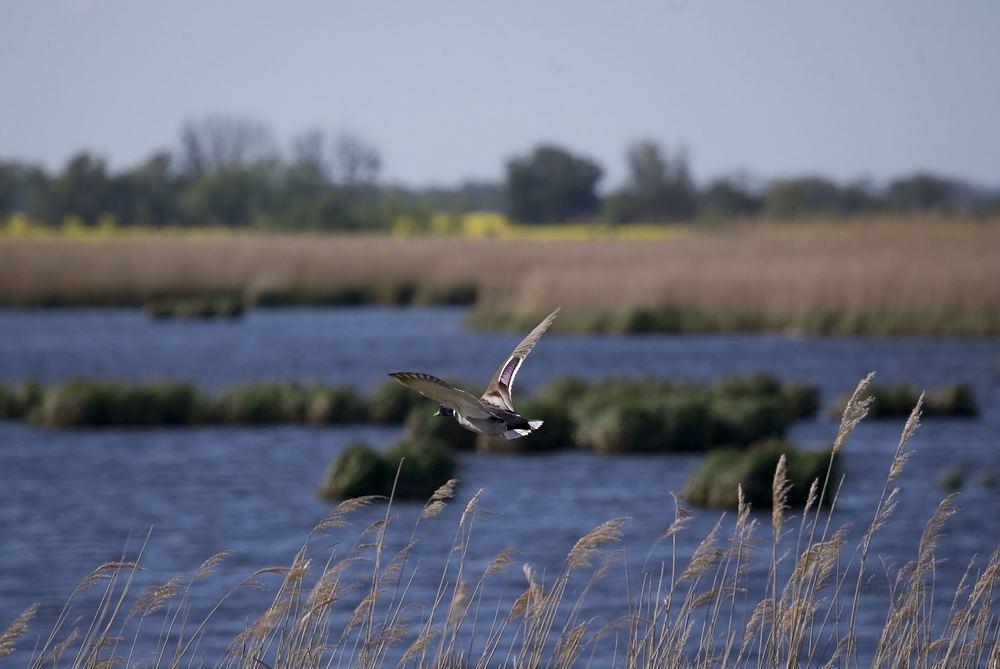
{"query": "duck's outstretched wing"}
(443, 393)
(498, 392)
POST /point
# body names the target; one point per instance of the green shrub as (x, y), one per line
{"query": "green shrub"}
(556, 433)
(987, 479)
(738, 421)
(457, 295)
(170, 403)
(18, 401)
(391, 402)
(263, 403)
(647, 320)
(423, 424)
(898, 400)
(756, 383)
(392, 294)
(194, 307)
(85, 402)
(335, 404)
(802, 399)
(799, 400)
(564, 390)
(617, 390)
(953, 478)
(671, 423)
(356, 471)
(427, 464)
(714, 484)
(952, 400)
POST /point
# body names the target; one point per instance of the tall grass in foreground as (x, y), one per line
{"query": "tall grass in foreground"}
(349, 606)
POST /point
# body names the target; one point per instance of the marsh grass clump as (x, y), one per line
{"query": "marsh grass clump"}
(564, 390)
(422, 424)
(262, 403)
(102, 403)
(377, 291)
(9, 408)
(612, 414)
(800, 398)
(895, 400)
(555, 434)
(335, 405)
(392, 402)
(423, 466)
(459, 294)
(18, 401)
(357, 471)
(289, 402)
(619, 415)
(797, 399)
(416, 467)
(672, 423)
(205, 308)
(952, 400)
(715, 483)
(953, 478)
(736, 420)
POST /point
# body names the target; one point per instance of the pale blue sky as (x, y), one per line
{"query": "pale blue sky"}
(449, 90)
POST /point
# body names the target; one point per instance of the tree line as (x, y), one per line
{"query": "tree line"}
(230, 171)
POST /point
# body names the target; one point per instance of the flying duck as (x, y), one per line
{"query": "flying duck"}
(493, 413)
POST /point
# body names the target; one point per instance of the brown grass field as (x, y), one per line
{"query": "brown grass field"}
(884, 276)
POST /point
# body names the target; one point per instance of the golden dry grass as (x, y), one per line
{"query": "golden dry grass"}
(347, 605)
(901, 271)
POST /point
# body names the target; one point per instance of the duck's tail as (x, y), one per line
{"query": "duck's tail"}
(521, 432)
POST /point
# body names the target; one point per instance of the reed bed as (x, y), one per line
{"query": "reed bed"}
(611, 415)
(881, 276)
(344, 600)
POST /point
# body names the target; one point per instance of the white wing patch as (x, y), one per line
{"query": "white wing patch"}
(498, 392)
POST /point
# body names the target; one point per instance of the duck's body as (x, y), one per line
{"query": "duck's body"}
(493, 413)
(496, 422)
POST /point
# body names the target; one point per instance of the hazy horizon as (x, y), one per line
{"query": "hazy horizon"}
(449, 91)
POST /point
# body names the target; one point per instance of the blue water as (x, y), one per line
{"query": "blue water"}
(71, 500)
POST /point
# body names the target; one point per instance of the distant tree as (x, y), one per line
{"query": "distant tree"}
(481, 196)
(356, 161)
(551, 185)
(330, 182)
(659, 187)
(217, 142)
(730, 197)
(923, 192)
(858, 197)
(231, 196)
(467, 196)
(82, 189)
(149, 193)
(803, 196)
(22, 187)
(309, 155)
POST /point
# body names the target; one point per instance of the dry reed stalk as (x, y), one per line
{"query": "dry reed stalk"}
(16, 630)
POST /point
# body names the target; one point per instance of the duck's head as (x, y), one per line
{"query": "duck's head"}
(444, 411)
